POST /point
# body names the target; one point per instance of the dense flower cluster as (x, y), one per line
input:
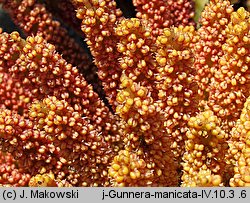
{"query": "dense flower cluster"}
(35, 19)
(176, 111)
(240, 149)
(163, 14)
(205, 150)
(10, 174)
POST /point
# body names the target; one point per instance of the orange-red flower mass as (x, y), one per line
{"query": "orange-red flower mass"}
(157, 100)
